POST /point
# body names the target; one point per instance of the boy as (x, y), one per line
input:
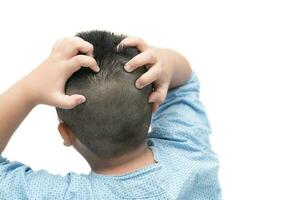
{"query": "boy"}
(105, 113)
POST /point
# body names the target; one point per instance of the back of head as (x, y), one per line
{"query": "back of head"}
(116, 116)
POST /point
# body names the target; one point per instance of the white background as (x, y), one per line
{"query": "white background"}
(241, 51)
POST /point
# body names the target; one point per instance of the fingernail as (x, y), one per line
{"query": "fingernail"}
(120, 47)
(127, 68)
(97, 68)
(138, 84)
(81, 100)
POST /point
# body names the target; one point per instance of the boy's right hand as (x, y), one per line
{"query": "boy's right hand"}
(46, 84)
(158, 72)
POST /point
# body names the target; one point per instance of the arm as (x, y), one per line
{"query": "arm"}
(178, 65)
(181, 117)
(14, 107)
(166, 68)
(181, 120)
(44, 85)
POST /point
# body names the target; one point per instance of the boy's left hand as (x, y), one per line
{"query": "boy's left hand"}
(46, 84)
(159, 72)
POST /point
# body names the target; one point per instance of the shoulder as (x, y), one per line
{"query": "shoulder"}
(19, 180)
(180, 152)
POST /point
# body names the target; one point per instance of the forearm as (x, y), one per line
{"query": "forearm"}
(45, 85)
(14, 107)
(178, 64)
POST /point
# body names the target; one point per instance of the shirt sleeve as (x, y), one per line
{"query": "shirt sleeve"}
(17, 181)
(181, 118)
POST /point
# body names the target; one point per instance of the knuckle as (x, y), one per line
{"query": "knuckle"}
(79, 60)
(161, 98)
(152, 56)
(92, 61)
(138, 39)
(149, 55)
(156, 76)
(85, 43)
(77, 38)
(63, 40)
(159, 71)
(90, 46)
(60, 40)
(72, 44)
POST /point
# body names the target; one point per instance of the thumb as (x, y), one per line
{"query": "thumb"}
(70, 101)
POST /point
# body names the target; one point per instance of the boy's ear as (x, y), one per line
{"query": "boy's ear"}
(66, 134)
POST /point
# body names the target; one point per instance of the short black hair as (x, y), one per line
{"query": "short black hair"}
(116, 116)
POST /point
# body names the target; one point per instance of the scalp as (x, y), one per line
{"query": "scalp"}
(116, 115)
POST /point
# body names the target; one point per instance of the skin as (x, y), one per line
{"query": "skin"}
(166, 69)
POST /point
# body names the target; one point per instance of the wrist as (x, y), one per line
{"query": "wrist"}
(179, 68)
(26, 92)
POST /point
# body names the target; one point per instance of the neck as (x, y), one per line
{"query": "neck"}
(142, 157)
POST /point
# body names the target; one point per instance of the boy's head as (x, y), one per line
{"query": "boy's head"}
(116, 116)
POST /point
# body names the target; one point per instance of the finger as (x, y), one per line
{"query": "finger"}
(155, 107)
(79, 61)
(150, 76)
(69, 102)
(133, 42)
(159, 94)
(76, 45)
(60, 43)
(141, 59)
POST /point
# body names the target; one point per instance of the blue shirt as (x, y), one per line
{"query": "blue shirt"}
(186, 168)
